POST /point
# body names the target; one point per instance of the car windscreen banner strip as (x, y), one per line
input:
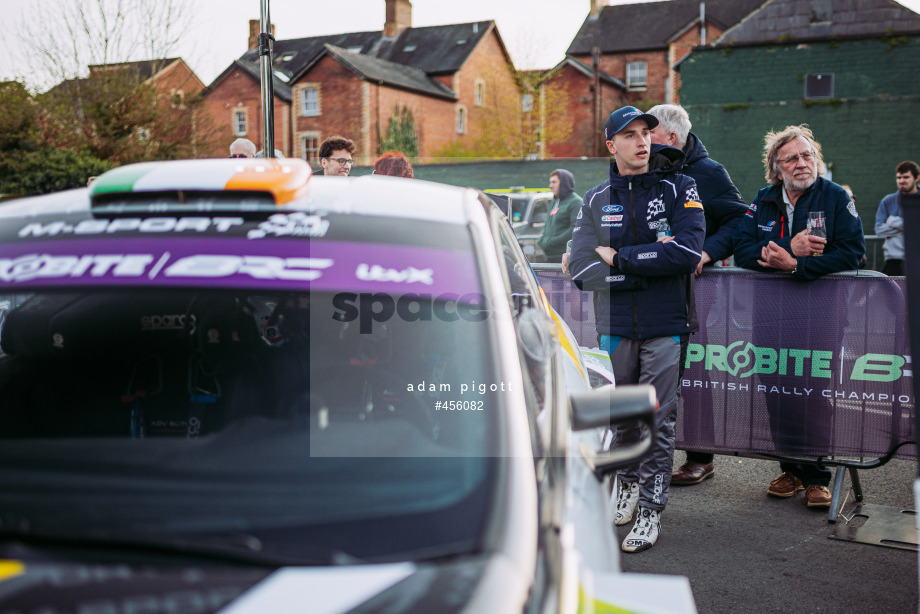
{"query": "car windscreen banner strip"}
(241, 263)
(827, 363)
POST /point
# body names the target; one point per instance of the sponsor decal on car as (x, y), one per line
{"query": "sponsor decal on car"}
(238, 262)
(130, 224)
(293, 225)
(411, 275)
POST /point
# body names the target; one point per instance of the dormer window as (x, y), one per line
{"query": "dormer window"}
(462, 41)
(410, 48)
(355, 48)
(287, 57)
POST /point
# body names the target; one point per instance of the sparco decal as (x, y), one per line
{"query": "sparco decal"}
(130, 224)
(35, 266)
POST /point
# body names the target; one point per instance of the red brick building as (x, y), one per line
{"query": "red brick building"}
(640, 43)
(457, 80)
(570, 86)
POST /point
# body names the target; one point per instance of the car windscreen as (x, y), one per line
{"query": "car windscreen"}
(364, 406)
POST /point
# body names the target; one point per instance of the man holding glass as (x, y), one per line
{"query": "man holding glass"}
(806, 226)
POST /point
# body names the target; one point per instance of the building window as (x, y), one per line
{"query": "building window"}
(177, 99)
(309, 100)
(636, 75)
(461, 120)
(239, 122)
(309, 147)
(480, 93)
(819, 85)
(527, 103)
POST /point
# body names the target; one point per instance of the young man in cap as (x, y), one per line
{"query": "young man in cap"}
(637, 234)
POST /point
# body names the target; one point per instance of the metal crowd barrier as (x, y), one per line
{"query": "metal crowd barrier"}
(834, 351)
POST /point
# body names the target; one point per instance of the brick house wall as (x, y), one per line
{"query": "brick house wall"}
(488, 65)
(575, 88)
(614, 64)
(867, 127)
(240, 92)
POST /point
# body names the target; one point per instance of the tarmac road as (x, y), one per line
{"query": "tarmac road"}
(746, 552)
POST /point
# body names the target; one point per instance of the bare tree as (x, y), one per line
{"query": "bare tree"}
(64, 37)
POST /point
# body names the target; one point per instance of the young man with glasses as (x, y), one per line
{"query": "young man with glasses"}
(773, 236)
(337, 156)
(242, 148)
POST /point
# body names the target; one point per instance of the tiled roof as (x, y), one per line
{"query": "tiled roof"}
(398, 75)
(588, 71)
(779, 20)
(144, 68)
(651, 25)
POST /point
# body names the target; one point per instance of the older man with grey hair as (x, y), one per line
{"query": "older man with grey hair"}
(723, 208)
(774, 236)
(242, 148)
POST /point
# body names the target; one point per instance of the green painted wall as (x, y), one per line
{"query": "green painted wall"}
(588, 173)
(735, 96)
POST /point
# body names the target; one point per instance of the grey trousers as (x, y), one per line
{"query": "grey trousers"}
(655, 362)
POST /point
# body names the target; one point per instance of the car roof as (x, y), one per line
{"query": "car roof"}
(287, 181)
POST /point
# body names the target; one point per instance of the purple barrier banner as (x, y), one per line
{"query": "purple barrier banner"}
(820, 368)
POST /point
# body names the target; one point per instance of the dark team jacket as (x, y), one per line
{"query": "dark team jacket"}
(723, 204)
(766, 221)
(642, 297)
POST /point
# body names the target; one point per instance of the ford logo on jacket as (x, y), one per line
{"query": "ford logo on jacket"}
(643, 296)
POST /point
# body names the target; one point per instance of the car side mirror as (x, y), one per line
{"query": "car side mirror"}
(608, 406)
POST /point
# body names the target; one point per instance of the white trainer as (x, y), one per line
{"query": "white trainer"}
(645, 532)
(627, 500)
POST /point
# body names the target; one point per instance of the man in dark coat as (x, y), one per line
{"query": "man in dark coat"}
(723, 207)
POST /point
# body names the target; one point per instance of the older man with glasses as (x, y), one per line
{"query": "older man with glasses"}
(242, 148)
(776, 235)
(337, 156)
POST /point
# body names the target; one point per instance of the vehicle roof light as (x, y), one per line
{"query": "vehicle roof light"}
(202, 185)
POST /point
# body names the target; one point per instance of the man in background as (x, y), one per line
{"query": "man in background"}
(337, 156)
(723, 208)
(242, 148)
(561, 219)
(889, 221)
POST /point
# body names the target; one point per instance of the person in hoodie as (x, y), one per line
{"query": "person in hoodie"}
(641, 307)
(773, 237)
(561, 219)
(889, 222)
(723, 207)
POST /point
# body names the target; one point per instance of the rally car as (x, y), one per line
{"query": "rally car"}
(230, 387)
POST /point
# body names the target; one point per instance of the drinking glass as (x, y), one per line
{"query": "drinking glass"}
(817, 224)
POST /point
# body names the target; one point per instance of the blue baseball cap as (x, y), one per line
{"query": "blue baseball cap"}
(620, 118)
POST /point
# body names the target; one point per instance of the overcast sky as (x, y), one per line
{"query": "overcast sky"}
(536, 32)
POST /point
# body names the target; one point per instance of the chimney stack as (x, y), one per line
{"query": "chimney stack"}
(255, 26)
(399, 17)
(596, 7)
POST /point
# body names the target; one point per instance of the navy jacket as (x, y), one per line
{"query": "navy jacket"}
(723, 204)
(766, 221)
(642, 297)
